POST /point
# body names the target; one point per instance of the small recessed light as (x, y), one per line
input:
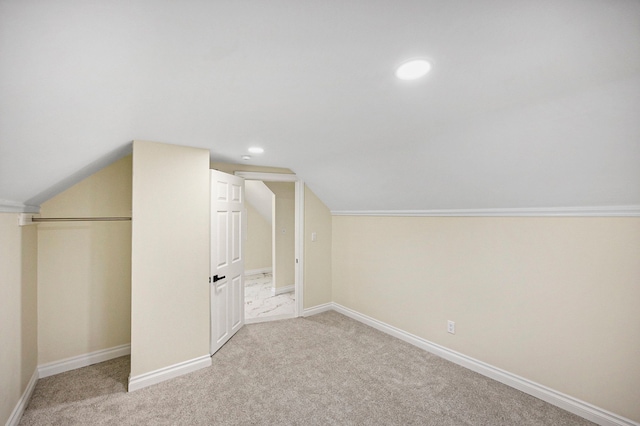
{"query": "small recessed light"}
(256, 150)
(246, 157)
(413, 69)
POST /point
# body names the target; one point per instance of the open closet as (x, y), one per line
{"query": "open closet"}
(108, 287)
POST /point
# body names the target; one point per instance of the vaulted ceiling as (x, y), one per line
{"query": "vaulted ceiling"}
(528, 103)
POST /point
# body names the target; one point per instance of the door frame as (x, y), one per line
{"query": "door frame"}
(299, 225)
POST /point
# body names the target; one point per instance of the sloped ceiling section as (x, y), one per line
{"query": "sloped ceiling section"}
(528, 104)
(261, 198)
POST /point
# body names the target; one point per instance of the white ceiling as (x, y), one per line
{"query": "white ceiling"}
(529, 103)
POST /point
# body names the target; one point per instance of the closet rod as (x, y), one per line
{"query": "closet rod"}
(79, 219)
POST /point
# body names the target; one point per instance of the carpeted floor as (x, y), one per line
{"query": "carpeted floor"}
(322, 370)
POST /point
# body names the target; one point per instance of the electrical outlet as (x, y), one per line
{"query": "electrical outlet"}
(451, 327)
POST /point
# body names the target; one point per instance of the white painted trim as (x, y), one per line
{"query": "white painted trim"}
(68, 364)
(170, 372)
(18, 411)
(281, 290)
(25, 219)
(267, 270)
(602, 211)
(318, 309)
(299, 223)
(268, 177)
(566, 402)
(8, 206)
(258, 320)
(299, 247)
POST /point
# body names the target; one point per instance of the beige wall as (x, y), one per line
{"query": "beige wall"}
(317, 254)
(554, 300)
(284, 233)
(170, 256)
(18, 310)
(84, 268)
(258, 253)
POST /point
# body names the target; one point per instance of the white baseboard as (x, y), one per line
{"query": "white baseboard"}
(68, 364)
(318, 309)
(282, 290)
(166, 373)
(566, 402)
(258, 271)
(18, 411)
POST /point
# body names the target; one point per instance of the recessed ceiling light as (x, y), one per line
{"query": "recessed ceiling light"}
(413, 69)
(256, 150)
(246, 157)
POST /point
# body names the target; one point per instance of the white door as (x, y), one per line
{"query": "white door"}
(227, 259)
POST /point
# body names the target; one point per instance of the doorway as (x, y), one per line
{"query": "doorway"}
(273, 290)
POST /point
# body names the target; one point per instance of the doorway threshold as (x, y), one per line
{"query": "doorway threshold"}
(268, 318)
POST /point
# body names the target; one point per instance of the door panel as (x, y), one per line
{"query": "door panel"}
(236, 192)
(236, 240)
(221, 239)
(221, 311)
(227, 259)
(222, 193)
(237, 304)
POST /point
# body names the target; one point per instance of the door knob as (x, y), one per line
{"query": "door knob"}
(217, 278)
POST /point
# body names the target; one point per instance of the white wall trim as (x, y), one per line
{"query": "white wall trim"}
(602, 211)
(18, 411)
(299, 224)
(566, 402)
(281, 290)
(299, 247)
(8, 206)
(258, 271)
(26, 219)
(258, 320)
(268, 177)
(68, 364)
(318, 309)
(170, 372)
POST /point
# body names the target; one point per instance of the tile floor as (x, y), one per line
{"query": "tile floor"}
(260, 304)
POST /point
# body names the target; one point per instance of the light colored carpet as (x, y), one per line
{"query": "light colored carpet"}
(322, 370)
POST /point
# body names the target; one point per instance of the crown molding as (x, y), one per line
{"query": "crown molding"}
(8, 206)
(600, 211)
